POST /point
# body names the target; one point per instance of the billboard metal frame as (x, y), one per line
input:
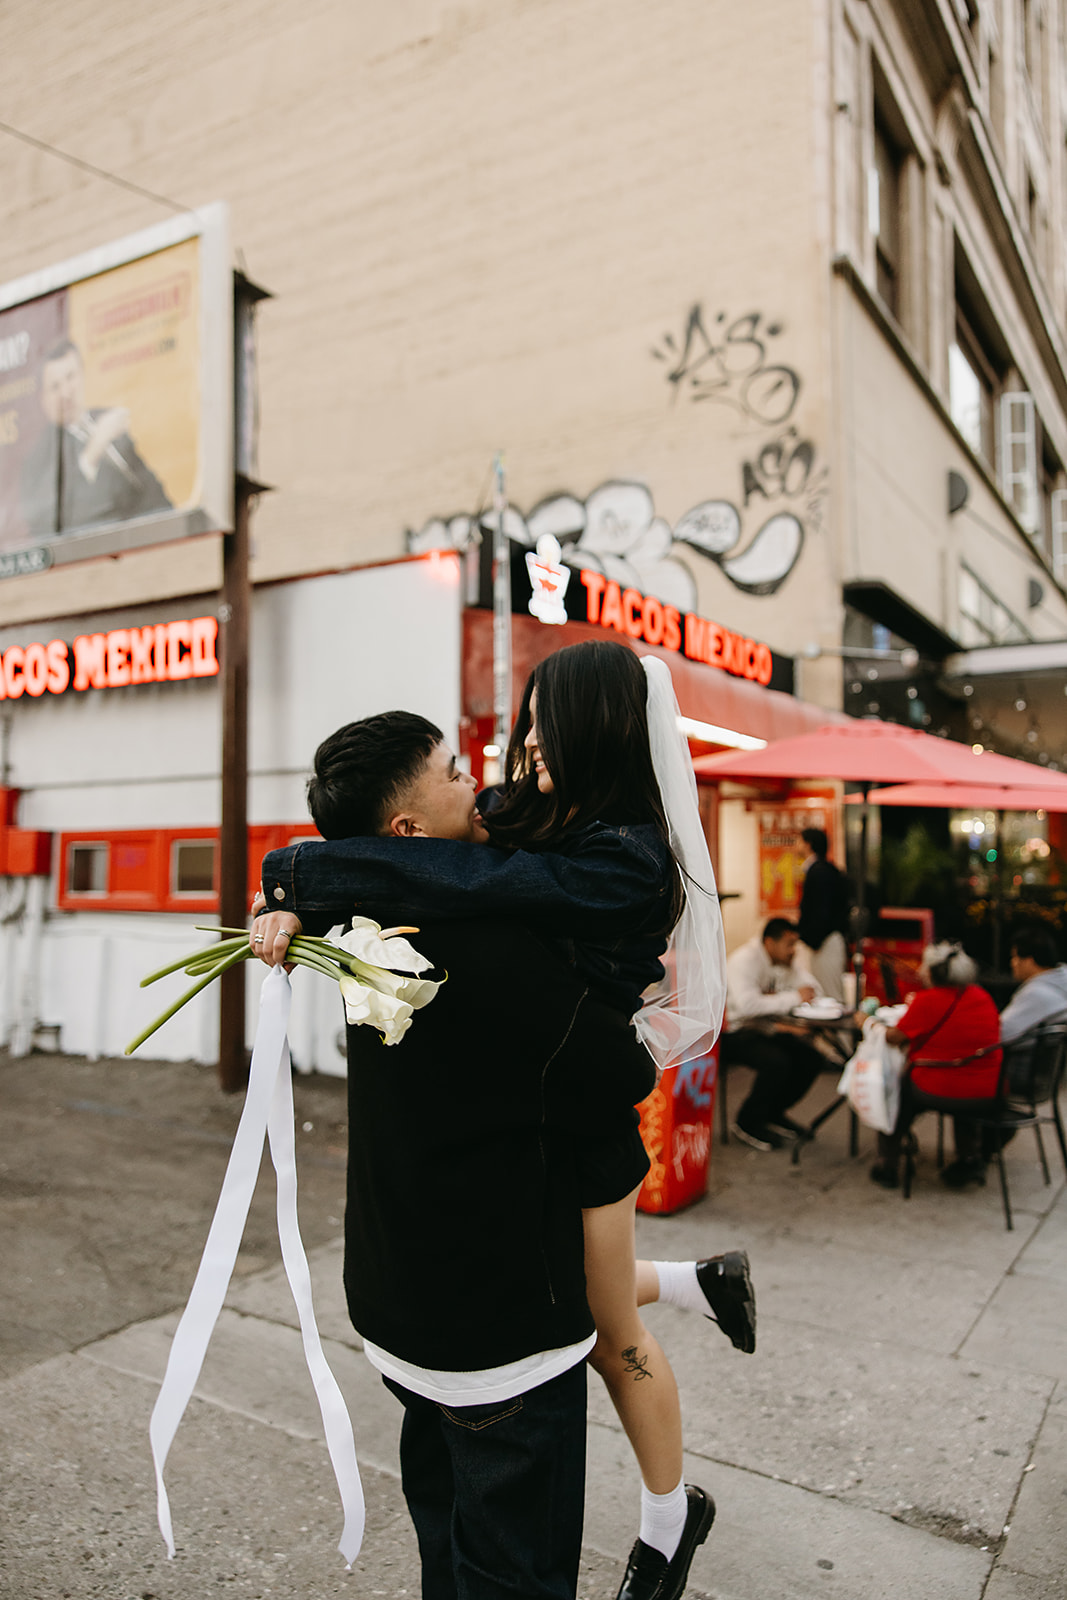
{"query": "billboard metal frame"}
(215, 511)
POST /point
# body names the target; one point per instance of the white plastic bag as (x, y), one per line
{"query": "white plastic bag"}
(871, 1079)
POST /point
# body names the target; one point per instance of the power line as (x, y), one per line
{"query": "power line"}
(87, 166)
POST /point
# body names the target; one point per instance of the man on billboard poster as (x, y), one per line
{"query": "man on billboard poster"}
(84, 468)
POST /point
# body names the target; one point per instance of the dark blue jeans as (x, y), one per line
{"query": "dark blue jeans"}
(496, 1492)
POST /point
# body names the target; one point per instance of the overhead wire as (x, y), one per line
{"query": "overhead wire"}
(91, 168)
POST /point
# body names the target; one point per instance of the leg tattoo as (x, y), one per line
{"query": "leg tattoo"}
(636, 1364)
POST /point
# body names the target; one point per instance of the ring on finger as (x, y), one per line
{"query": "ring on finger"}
(258, 939)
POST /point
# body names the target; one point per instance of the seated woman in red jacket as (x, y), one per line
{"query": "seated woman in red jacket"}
(947, 1020)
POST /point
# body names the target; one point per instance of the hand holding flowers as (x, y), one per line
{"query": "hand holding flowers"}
(362, 961)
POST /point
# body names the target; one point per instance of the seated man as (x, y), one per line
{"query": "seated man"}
(764, 982)
(1042, 979)
(1040, 998)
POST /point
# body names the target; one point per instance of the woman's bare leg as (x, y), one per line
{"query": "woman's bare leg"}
(627, 1357)
(647, 1282)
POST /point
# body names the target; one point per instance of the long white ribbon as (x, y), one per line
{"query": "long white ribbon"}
(268, 1107)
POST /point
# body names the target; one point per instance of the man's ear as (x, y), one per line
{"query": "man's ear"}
(405, 826)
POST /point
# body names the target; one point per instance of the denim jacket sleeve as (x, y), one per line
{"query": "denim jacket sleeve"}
(610, 881)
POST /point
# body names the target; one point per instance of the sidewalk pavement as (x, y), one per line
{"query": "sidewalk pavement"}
(900, 1433)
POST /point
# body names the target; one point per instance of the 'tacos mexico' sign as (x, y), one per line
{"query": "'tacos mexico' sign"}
(163, 652)
(543, 586)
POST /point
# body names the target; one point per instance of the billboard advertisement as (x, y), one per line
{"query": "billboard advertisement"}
(116, 380)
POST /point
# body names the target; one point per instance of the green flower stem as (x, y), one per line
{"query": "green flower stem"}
(216, 972)
(304, 958)
(210, 953)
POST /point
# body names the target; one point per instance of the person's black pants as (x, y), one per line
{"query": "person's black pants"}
(785, 1067)
(912, 1101)
(497, 1492)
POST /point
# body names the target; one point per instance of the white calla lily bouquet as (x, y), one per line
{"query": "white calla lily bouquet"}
(376, 969)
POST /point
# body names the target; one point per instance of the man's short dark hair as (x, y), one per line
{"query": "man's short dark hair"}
(362, 770)
(816, 840)
(61, 348)
(777, 926)
(1037, 945)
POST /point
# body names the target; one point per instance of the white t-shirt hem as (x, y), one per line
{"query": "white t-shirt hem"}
(479, 1388)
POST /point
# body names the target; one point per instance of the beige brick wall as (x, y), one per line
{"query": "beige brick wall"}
(478, 221)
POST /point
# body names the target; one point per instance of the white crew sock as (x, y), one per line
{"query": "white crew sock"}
(678, 1285)
(663, 1518)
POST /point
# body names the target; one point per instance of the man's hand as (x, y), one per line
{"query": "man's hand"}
(103, 431)
(269, 936)
(806, 993)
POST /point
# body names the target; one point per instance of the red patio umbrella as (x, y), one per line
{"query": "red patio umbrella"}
(966, 797)
(871, 752)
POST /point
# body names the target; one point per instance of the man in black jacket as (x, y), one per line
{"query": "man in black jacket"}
(824, 908)
(463, 1232)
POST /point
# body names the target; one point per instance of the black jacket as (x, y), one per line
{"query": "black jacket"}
(824, 903)
(603, 887)
(463, 1233)
(57, 495)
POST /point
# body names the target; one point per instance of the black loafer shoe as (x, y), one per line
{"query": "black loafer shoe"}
(884, 1175)
(698, 1523)
(958, 1174)
(645, 1572)
(727, 1287)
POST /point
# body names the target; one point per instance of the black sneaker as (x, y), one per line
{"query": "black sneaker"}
(727, 1287)
(792, 1130)
(757, 1135)
(699, 1518)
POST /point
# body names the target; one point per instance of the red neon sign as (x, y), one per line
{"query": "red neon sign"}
(642, 616)
(160, 653)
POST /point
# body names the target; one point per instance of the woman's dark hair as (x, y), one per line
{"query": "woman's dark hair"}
(363, 769)
(592, 731)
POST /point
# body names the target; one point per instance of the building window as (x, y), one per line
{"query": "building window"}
(983, 618)
(1049, 538)
(87, 869)
(1018, 458)
(193, 866)
(972, 389)
(978, 360)
(886, 181)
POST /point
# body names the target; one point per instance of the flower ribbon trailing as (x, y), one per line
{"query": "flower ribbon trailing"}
(268, 1108)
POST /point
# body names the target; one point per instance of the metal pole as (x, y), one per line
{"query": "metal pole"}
(234, 614)
(861, 897)
(998, 926)
(233, 833)
(501, 615)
